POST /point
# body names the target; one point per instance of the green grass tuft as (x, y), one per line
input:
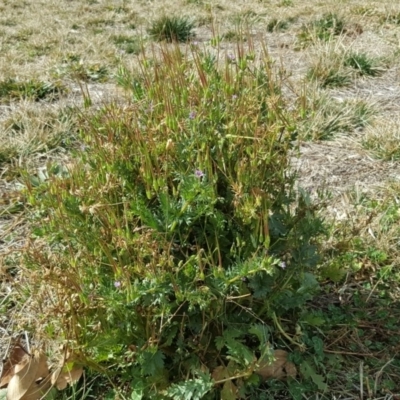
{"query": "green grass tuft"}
(276, 25)
(172, 29)
(328, 78)
(328, 26)
(323, 117)
(363, 64)
(382, 139)
(128, 44)
(12, 89)
(391, 18)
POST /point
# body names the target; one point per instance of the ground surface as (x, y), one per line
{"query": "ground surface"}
(81, 44)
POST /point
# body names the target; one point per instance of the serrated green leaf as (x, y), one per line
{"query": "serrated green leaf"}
(313, 320)
(137, 395)
(232, 333)
(308, 371)
(309, 283)
(239, 352)
(152, 361)
(137, 390)
(219, 343)
(334, 273)
(297, 390)
(318, 345)
(192, 389)
(261, 331)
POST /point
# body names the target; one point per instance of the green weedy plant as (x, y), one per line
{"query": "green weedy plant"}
(171, 29)
(168, 254)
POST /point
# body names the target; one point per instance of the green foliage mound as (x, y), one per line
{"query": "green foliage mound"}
(171, 29)
(176, 241)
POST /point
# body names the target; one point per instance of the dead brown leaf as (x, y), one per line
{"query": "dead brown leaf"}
(14, 357)
(229, 391)
(290, 369)
(69, 373)
(38, 389)
(220, 373)
(31, 369)
(280, 368)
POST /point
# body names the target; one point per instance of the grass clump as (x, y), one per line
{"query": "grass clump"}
(333, 67)
(12, 89)
(286, 3)
(323, 117)
(128, 44)
(234, 36)
(382, 139)
(327, 68)
(75, 68)
(362, 64)
(31, 130)
(329, 77)
(392, 17)
(328, 26)
(177, 241)
(276, 25)
(171, 29)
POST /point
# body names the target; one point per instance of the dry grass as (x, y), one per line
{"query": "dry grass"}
(382, 139)
(78, 43)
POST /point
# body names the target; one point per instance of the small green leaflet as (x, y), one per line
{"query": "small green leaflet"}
(137, 394)
(192, 389)
(138, 387)
(308, 371)
(309, 283)
(261, 331)
(152, 362)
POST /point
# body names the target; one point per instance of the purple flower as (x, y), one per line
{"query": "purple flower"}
(117, 284)
(234, 97)
(231, 57)
(192, 115)
(282, 264)
(198, 173)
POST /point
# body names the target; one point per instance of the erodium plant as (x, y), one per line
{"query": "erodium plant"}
(176, 241)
